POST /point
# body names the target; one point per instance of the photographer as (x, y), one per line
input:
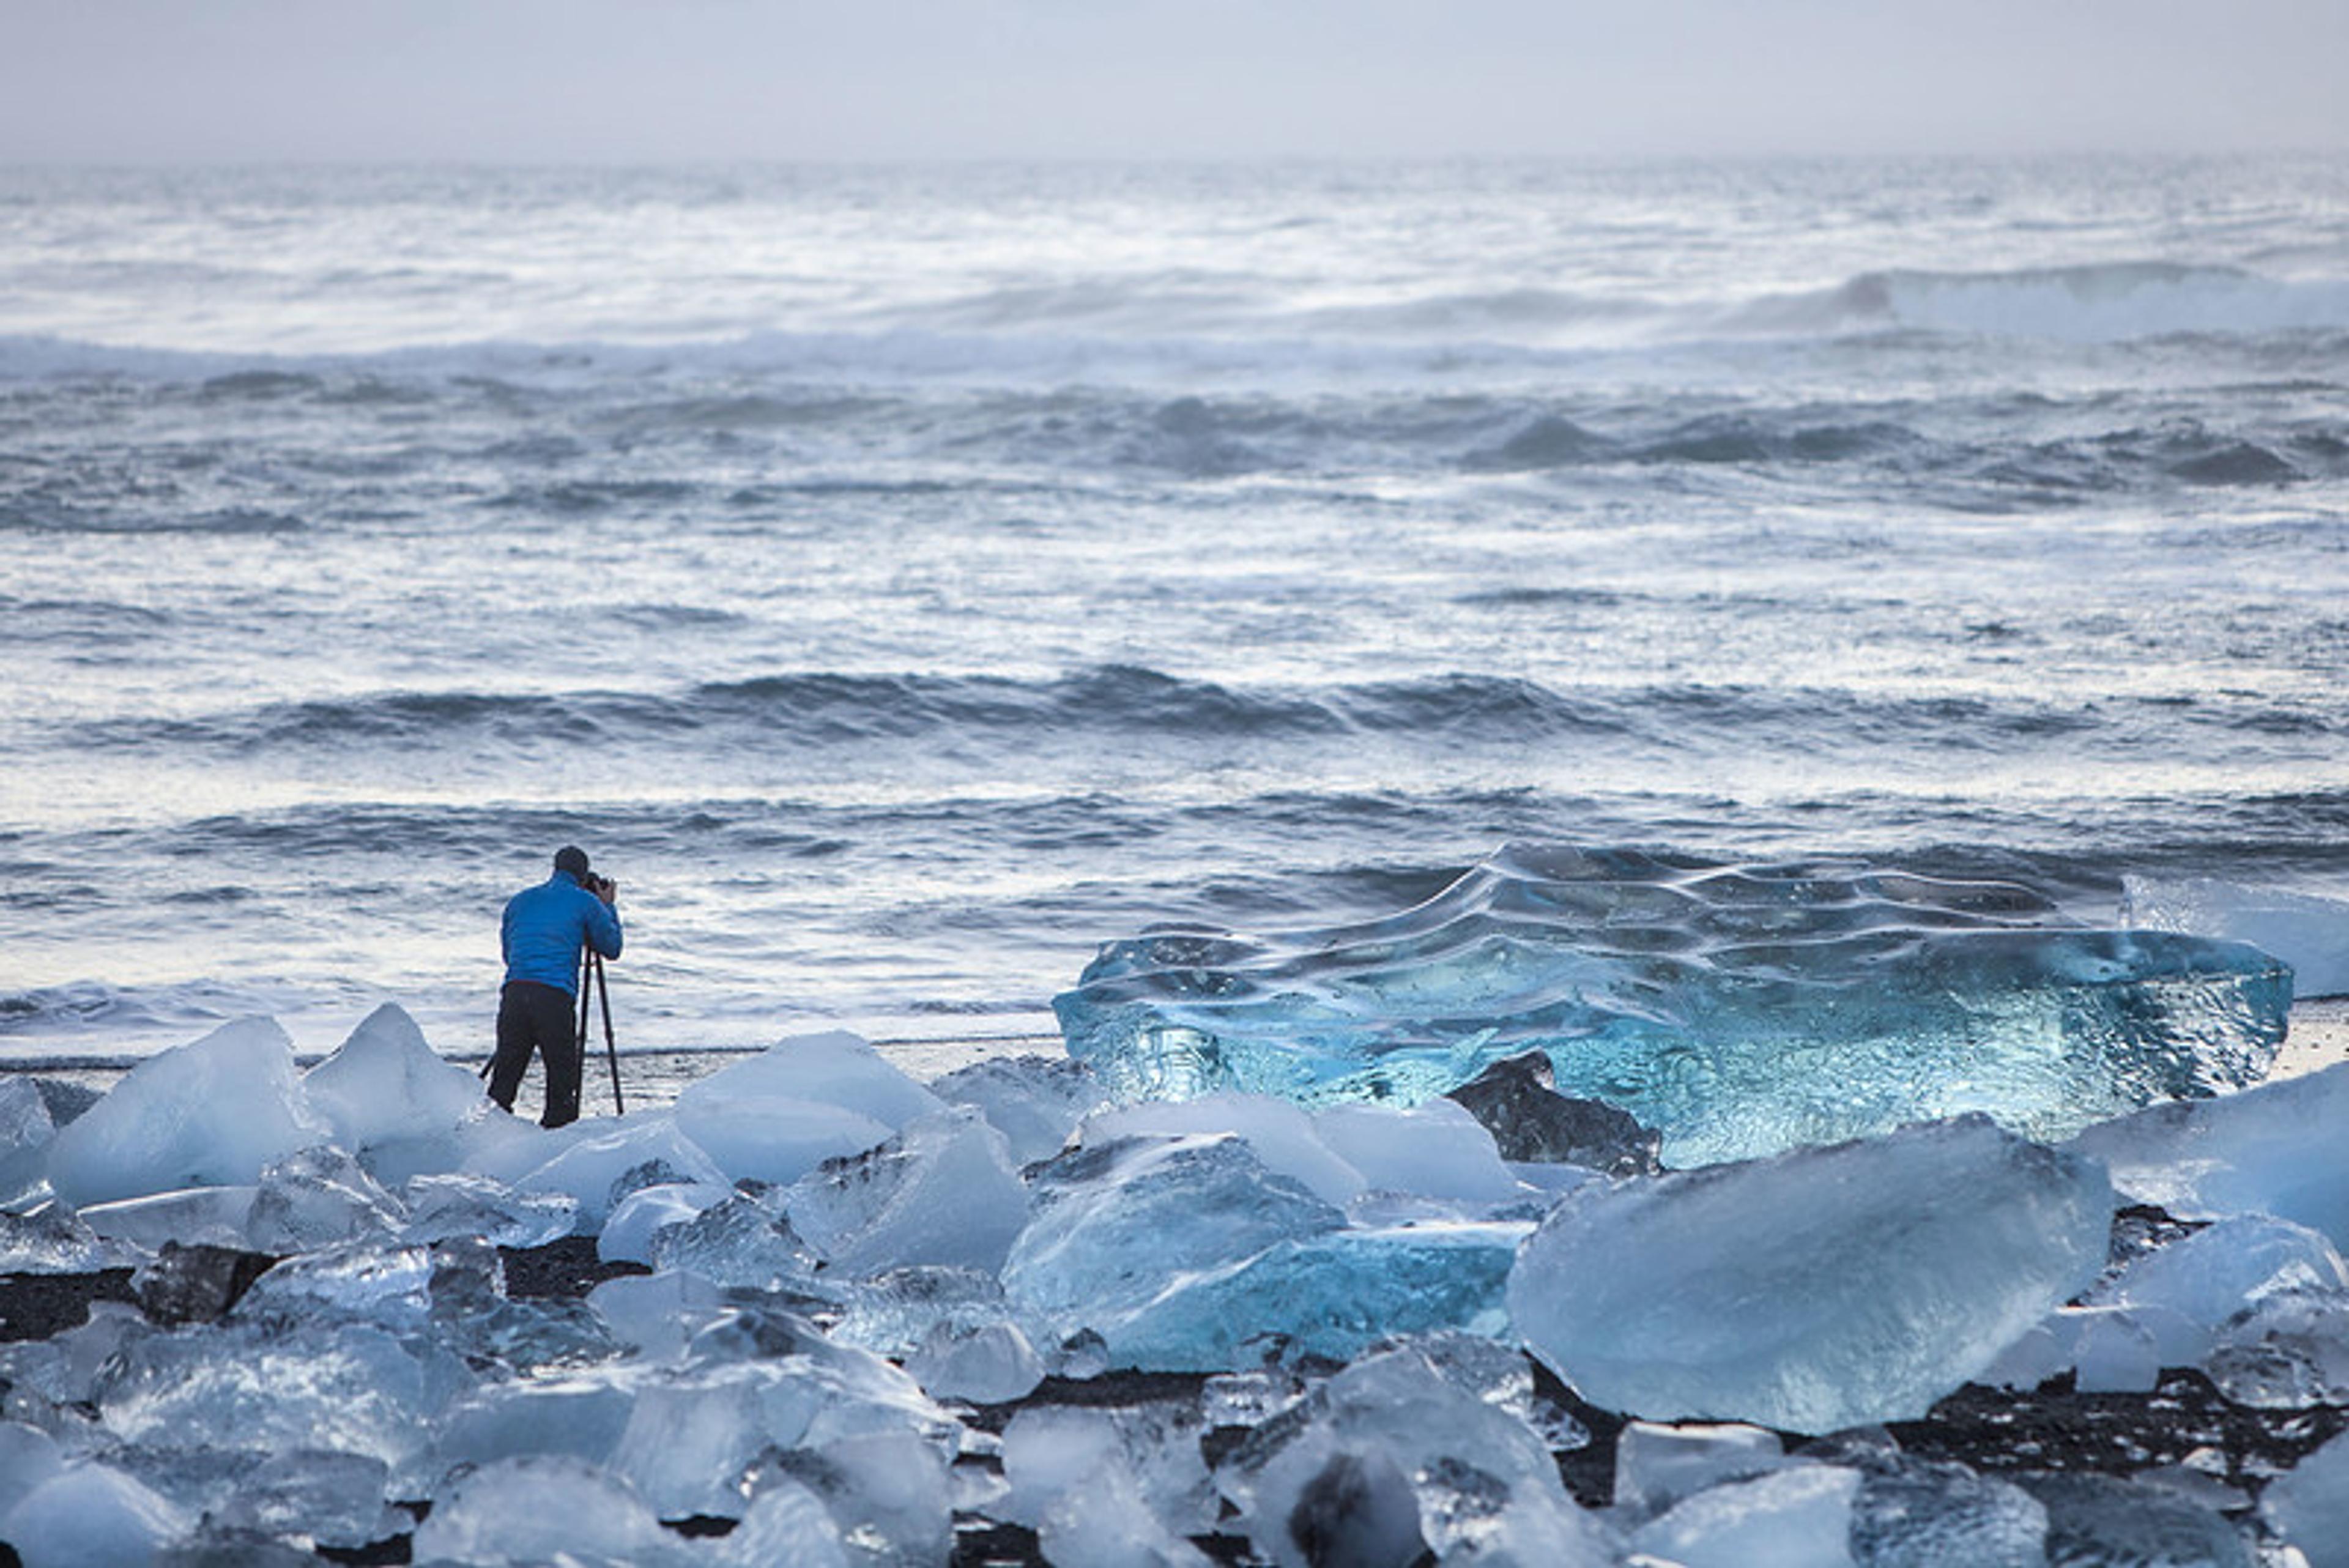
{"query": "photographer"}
(542, 934)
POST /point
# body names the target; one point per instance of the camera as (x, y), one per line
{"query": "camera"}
(604, 887)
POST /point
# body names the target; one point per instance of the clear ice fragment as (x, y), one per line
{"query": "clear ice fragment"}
(1797, 1518)
(2308, 1506)
(2306, 930)
(1035, 1102)
(316, 1198)
(1658, 1466)
(57, 1241)
(590, 1164)
(1821, 1289)
(26, 1131)
(210, 1114)
(628, 1230)
(89, 1513)
(199, 1216)
(942, 1191)
(445, 1207)
(545, 1508)
(785, 1523)
(835, 1068)
(991, 1363)
(388, 1097)
(1738, 1011)
(2273, 1149)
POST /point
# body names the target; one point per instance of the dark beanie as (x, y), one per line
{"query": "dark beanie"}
(573, 859)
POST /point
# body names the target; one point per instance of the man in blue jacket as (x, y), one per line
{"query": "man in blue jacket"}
(542, 934)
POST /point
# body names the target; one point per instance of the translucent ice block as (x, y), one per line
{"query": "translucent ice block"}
(1739, 1011)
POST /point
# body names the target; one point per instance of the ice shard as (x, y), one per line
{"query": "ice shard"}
(1824, 1289)
(1739, 1011)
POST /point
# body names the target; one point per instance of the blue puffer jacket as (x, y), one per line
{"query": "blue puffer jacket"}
(545, 926)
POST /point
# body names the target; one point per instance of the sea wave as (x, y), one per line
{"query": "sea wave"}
(2096, 303)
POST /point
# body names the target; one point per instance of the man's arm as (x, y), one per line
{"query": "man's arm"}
(603, 927)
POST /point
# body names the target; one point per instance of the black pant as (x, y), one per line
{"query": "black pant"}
(532, 1017)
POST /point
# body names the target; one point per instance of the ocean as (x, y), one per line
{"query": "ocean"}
(905, 580)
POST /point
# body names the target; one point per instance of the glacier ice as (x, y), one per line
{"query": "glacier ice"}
(210, 1114)
(1657, 1466)
(2094, 1519)
(739, 1240)
(991, 1363)
(90, 1514)
(1052, 1451)
(895, 1312)
(942, 1191)
(545, 1507)
(198, 1215)
(628, 1231)
(1818, 1289)
(388, 1098)
(887, 1490)
(1738, 1011)
(1796, 1517)
(2306, 930)
(767, 1137)
(834, 1068)
(591, 1164)
(2273, 1149)
(2308, 1506)
(1387, 1461)
(1035, 1102)
(785, 1523)
(445, 1206)
(26, 1131)
(315, 1197)
(55, 1242)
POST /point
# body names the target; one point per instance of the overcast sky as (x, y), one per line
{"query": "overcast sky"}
(653, 80)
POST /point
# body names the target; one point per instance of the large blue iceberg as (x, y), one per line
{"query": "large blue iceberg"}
(1739, 1011)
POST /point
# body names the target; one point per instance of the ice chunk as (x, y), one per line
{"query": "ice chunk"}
(1740, 1012)
(1281, 1134)
(739, 1242)
(628, 1231)
(2306, 930)
(2275, 1149)
(545, 1507)
(887, 1491)
(318, 1197)
(326, 1498)
(2221, 1269)
(2308, 1506)
(389, 1284)
(656, 1314)
(1798, 1518)
(388, 1095)
(443, 1208)
(836, 1068)
(1434, 1151)
(579, 1415)
(587, 1169)
(2289, 1352)
(767, 1137)
(1035, 1102)
(989, 1365)
(1387, 1461)
(55, 1242)
(1657, 1466)
(90, 1514)
(341, 1387)
(210, 1114)
(1330, 1295)
(205, 1216)
(785, 1523)
(1517, 1101)
(1107, 1523)
(1115, 1223)
(2094, 1519)
(26, 1131)
(1920, 1514)
(895, 1312)
(1823, 1289)
(28, 1457)
(943, 1191)
(688, 1445)
(1052, 1450)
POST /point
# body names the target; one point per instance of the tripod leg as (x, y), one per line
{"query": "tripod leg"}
(611, 1046)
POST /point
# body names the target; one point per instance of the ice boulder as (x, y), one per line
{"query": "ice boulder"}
(1114, 1225)
(389, 1099)
(835, 1068)
(1818, 1289)
(943, 1191)
(26, 1132)
(2308, 1508)
(545, 1507)
(2306, 930)
(595, 1162)
(210, 1114)
(1798, 1518)
(628, 1230)
(2274, 1149)
(769, 1138)
(1388, 1461)
(1110, 1486)
(88, 1515)
(1738, 1011)
(1035, 1102)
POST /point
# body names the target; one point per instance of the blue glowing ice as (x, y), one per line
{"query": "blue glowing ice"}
(1739, 1011)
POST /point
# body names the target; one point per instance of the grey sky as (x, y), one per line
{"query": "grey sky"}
(633, 80)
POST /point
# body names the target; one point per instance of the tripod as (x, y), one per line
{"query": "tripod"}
(591, 967)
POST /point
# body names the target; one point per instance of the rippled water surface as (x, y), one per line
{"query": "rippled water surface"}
(904, 580)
